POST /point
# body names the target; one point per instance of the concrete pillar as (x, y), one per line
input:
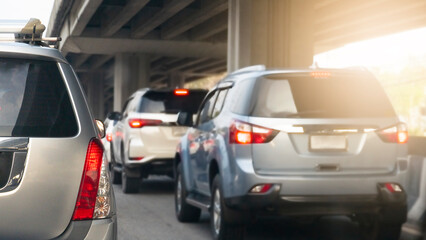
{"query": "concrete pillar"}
(131, 72)
(176, 80)
(95, 93)
(144, 70)
(275, 33)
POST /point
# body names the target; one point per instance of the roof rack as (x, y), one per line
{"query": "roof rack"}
(27, 31)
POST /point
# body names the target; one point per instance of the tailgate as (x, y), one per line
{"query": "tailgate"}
(41, 202)
(324, 147)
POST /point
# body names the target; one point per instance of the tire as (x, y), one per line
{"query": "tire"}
(115, 176)
(128, 184)
(184, 211)
(221, 228)
(377, 229)
(388, 231)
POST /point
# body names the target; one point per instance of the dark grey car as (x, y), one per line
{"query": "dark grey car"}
(309, 142)
(54, 182)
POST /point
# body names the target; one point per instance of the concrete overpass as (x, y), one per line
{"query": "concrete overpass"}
(118, 46)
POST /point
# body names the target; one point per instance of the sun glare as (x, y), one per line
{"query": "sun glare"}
(396, 49)
(399, 62)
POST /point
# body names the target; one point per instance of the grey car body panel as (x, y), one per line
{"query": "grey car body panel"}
(43, 203)
(238, 169)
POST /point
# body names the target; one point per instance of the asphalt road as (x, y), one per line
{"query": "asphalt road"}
(149, 215)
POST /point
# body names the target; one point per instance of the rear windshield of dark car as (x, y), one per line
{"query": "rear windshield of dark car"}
(34, 101)
(168, 102)
(336, 96)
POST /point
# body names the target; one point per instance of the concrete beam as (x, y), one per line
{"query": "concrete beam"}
(115, 22)
(211, 27)
(80, 59)
(187, 64)
(140, 29)
(93, 45)
(81, 14)
(173, 28)
(217, 69)
(208, 66)
(385, 20)
(100, 60)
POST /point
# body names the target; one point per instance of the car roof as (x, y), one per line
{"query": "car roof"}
(260, 70)
(25, 50)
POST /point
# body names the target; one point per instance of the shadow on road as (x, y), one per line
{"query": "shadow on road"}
(157, 185)
(157, 193)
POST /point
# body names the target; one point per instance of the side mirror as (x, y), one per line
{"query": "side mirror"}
(101, 128)
(185, 119)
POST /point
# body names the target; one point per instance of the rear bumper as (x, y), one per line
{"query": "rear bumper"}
(240, 177)
(102, 229)
(137, 149)
(391, 206)
(313, 194)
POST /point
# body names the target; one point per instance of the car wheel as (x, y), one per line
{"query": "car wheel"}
(222, 229)
(389, 231)
(115, 176)
(184, 211)
(373, 228)
(129, 184)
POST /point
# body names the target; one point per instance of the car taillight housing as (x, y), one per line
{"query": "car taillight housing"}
(93, 200)
(394, 134)
(86, 199)
(139, 123)
(246, 133)
(109, 137)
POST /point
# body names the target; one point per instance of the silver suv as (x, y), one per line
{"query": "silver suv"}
(310, 142)
(54, 182)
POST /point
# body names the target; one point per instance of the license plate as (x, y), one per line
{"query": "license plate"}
(328, 143)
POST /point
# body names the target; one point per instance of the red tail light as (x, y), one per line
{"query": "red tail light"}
(139, 123)
(109, 137)
(394, 134)
(89, 182)
(245, 133)
(261, 188)
(393, 187)
(181, 92)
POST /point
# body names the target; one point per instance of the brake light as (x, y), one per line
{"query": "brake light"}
(245, 133)
(320, 74)
(86, 199)
(181, 92)
(109, 137)
(139, 123)
(394, 134)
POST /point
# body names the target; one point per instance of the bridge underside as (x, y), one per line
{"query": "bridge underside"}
(118, 46)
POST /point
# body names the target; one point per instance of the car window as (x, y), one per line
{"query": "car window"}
(168, 102)
(34, 101)
(206, 109)
(338, 96)
(219, 102)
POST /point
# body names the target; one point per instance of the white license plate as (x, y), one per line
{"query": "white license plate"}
(328, 142)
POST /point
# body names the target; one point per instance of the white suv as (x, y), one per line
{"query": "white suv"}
(145, 138)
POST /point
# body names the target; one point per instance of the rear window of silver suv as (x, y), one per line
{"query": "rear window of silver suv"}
(34, 101)
(338, 95)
